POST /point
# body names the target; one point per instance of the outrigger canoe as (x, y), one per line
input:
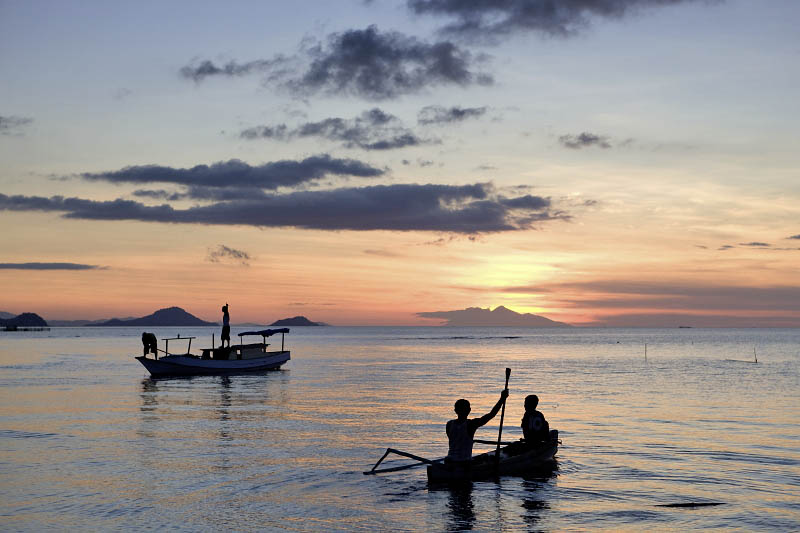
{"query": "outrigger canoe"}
(236, 359)
(516, 459)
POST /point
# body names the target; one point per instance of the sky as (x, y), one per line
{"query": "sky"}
(597, 162)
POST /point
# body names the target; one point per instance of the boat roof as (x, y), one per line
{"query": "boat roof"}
(265, 332)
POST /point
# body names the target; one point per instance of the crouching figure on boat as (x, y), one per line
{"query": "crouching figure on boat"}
(461, 431)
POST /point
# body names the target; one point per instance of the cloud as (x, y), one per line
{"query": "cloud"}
(584, 140)
(464, 209)
(489, 20)
(374, 129)
(47, 266)
(284, 173)
(381, 65)
(794, 237)
(755, 244)
(11, 125)
(224, 254)
(365, 63)
(199, 70)
(436, 114)
(650, 295)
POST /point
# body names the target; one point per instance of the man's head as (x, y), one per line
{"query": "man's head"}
(462, 408)
(225, 308)
(531, 401)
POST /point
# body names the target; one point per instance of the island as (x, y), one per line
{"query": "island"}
(23, 322)
(170, 316)
(500, 316)
(297, 321)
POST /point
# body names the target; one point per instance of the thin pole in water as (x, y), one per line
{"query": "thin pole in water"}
(755, 357)
(645, 351)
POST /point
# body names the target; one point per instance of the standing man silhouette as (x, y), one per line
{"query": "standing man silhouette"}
(226, 326)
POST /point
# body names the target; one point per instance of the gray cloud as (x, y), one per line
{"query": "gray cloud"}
(436, 114)
(223, 253)
(490, 19)
(374, 129)
(378, 66)
(365, 63)
(648, 295)
(755, 244)
(584, 140)
(11, 125)
(47, 266)
(200, 70)
(794, 237)
(466, 209)
(284, 173)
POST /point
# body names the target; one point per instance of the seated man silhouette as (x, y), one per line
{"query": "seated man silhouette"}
(534, 426)
(461, 431)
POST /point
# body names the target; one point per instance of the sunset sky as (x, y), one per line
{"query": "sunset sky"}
(598, 162)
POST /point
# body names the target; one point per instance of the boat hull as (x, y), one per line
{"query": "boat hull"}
(515, 460)
(183, 365)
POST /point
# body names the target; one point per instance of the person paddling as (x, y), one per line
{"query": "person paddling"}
(461, 431)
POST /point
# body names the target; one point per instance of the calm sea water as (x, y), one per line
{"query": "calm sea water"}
(89, 442)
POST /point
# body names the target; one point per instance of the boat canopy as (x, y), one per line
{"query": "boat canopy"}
(265, 332)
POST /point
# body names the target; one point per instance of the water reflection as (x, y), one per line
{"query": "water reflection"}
(534, 500)
(461, 508)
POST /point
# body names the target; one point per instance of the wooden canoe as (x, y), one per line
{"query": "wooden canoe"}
(516, 459)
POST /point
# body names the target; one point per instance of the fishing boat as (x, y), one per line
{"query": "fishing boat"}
(516, 459)
(236, 359)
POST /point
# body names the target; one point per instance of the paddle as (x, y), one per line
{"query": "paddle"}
(502, 415)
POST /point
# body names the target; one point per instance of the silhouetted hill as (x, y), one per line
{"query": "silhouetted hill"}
(296, 321)
(25, 320)
(170, 316)
(4, 315)
(501, 316)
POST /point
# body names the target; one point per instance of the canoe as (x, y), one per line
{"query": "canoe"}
(516, 459)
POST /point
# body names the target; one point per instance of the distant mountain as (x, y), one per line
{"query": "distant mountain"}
(170, 316)
(4, 315)
(501, 316)
(25, 320)
(296, 321)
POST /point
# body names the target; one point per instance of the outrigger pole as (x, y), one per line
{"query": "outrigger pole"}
(422, 461)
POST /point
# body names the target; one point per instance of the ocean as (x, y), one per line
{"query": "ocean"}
(89, 442)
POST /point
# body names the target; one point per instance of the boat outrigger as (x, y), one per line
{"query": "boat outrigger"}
(236, 359)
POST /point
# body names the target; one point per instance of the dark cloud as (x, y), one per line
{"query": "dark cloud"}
(374, 129)
(200, 70)
(223, 253)
(466, 209)
(726, 247)
(489, 20)
(584, 140)
(47, 266)
(11, 125)
(756, 244)
(794, 237)
(697, 320)
(365, 63)
(236, 173)
(381, 65)
(436, 114)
